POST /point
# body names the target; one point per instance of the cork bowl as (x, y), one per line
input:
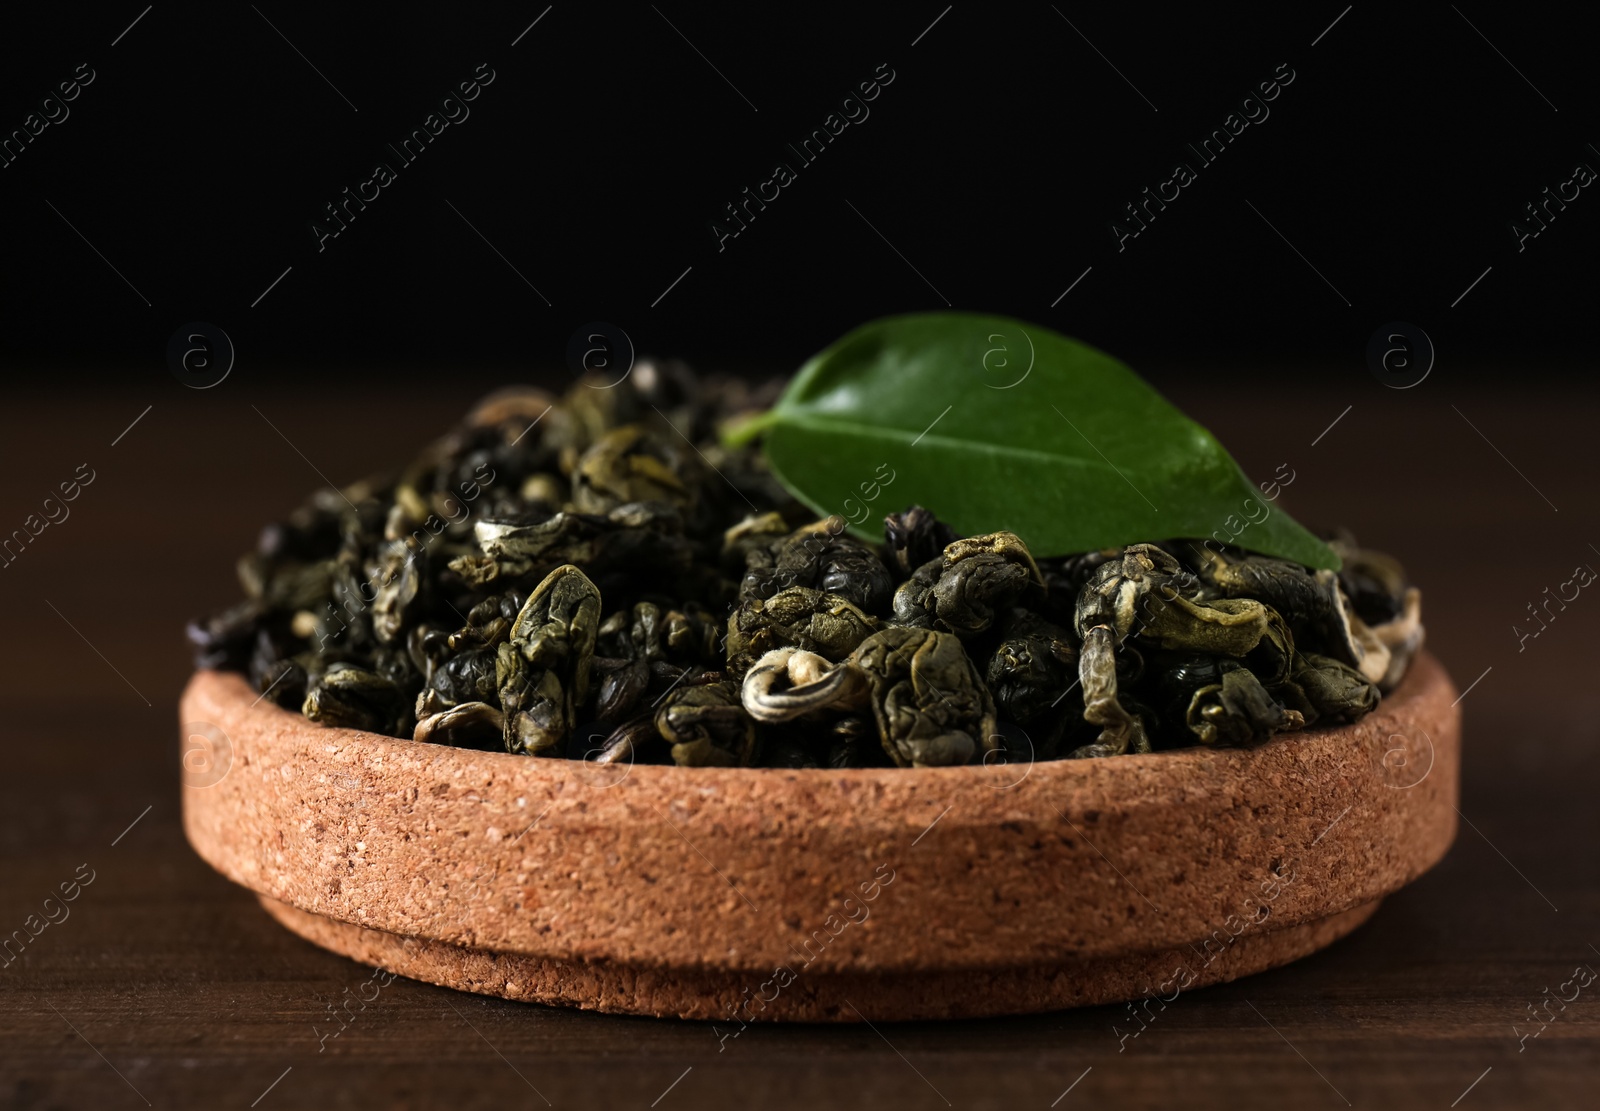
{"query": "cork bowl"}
(820, 895)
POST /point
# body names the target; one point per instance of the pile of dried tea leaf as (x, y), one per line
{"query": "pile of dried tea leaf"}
(598, 577)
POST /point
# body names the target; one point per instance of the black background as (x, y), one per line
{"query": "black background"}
(606, 145)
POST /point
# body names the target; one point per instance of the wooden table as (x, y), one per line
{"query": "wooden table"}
(166, 985)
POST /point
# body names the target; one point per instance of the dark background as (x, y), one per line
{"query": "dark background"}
(593, 164)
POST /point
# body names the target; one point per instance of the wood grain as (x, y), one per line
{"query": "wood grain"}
(167, 984)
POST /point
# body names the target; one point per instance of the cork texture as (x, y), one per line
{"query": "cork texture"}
(692, 875)
(823, 996)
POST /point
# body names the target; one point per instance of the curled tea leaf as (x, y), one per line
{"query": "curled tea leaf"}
(459, 600)
(356, 698)
(1119, 591)
(1325, 690)
(1237, 711)
(632, 464)
(542, 671)
(821, 556)
(401, 575)
(789, 683)
(1310, 602)
(1403, 637)
(915, 537)
(930, 703)
(707, 726)
(1121, 729)
(827, 624)
(469, 725)
(971, 582)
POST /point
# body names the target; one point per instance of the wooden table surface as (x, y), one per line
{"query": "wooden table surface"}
(168, 986)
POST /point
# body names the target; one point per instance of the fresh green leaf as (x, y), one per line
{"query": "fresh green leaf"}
(996, 424)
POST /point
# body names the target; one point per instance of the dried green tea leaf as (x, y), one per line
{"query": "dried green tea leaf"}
(930, 702)
(815, 620)
(542, 671)
(707, 726)
(789, 683)
(971, 582)
(460, 602)
(1237, 711)
(469, 725)
(1326, 690)
(1032, 668)
(1122, 730)
(356, 698)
